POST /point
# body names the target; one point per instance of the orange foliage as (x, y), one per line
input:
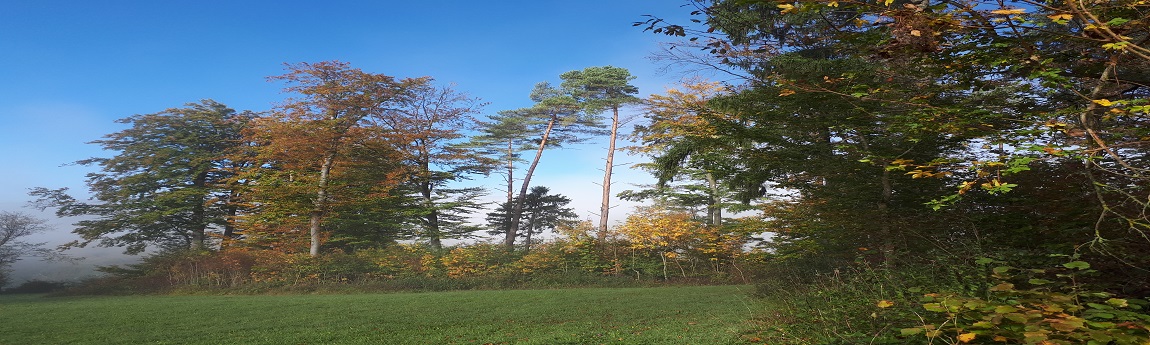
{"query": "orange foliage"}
(319, 150)
(659, 228)
(679, 114)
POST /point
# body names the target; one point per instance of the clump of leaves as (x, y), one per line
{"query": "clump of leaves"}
(1035, 306)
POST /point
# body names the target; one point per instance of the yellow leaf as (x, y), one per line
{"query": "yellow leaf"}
(833, 3)
(884, 304)
(1008, 11)
(786, 92)
(966, 337)
(787, 8)
(1061, 16)
(888, 2)
(1104, 102)
(915, 33)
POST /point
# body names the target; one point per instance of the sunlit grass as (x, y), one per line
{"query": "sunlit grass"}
(668, 315)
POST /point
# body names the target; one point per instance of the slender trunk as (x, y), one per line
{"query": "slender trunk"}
(232, 212)
(199, 214)
(231, 206)
(885, 233)
(605, 207)
(509, 240)
(510, 183)
(713, 210)
(530, 231)
(320, 203)
(229, 224)
(663, 256)
(884, 218)
(432, 219)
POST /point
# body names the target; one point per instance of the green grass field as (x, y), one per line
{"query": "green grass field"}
(665, 315)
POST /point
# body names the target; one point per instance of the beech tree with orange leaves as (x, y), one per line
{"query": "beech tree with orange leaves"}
(427, 130)
(322, 151)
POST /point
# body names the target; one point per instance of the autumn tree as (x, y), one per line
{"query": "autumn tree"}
(322, 154)
(668, 233)
(599, 89)
(963, 95)
(541, 212)
(427, 130)
(688, 158)
(166, 185)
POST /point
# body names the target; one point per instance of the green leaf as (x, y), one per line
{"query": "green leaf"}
(1016, 317)
(935, 307)
(1005, 309)
(1100, 325)
(1102, 315)
(983, 261)
(1037, 281)
(1081, 265)
(982, 324)
(1117, 21)
(911, 331)
(1117, 302)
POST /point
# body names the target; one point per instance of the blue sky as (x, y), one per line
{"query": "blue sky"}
(68, 69)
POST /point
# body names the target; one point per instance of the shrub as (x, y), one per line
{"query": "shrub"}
(38, 286)
(1036, 306)
(475, 260)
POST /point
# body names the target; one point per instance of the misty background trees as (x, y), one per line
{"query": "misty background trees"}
(14, 229)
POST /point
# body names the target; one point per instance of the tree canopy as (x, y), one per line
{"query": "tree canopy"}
(166, 186)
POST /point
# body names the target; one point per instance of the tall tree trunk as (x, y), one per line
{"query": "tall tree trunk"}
(885, 234)
(713, 210)
(605, 206)
(431, 219)
(433, 234)
(229, 225)
(233, 209)
(509, 240)
(530, 231)
(199, 214)
(320, 203)
(510, 183)
(885, 231)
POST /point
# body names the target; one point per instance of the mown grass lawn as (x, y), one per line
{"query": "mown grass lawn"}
(665, 315)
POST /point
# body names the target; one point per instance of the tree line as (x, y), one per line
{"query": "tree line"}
(361, 173)
(972, 170)
(350, 160)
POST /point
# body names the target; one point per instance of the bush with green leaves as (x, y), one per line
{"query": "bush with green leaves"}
(1035, 306)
